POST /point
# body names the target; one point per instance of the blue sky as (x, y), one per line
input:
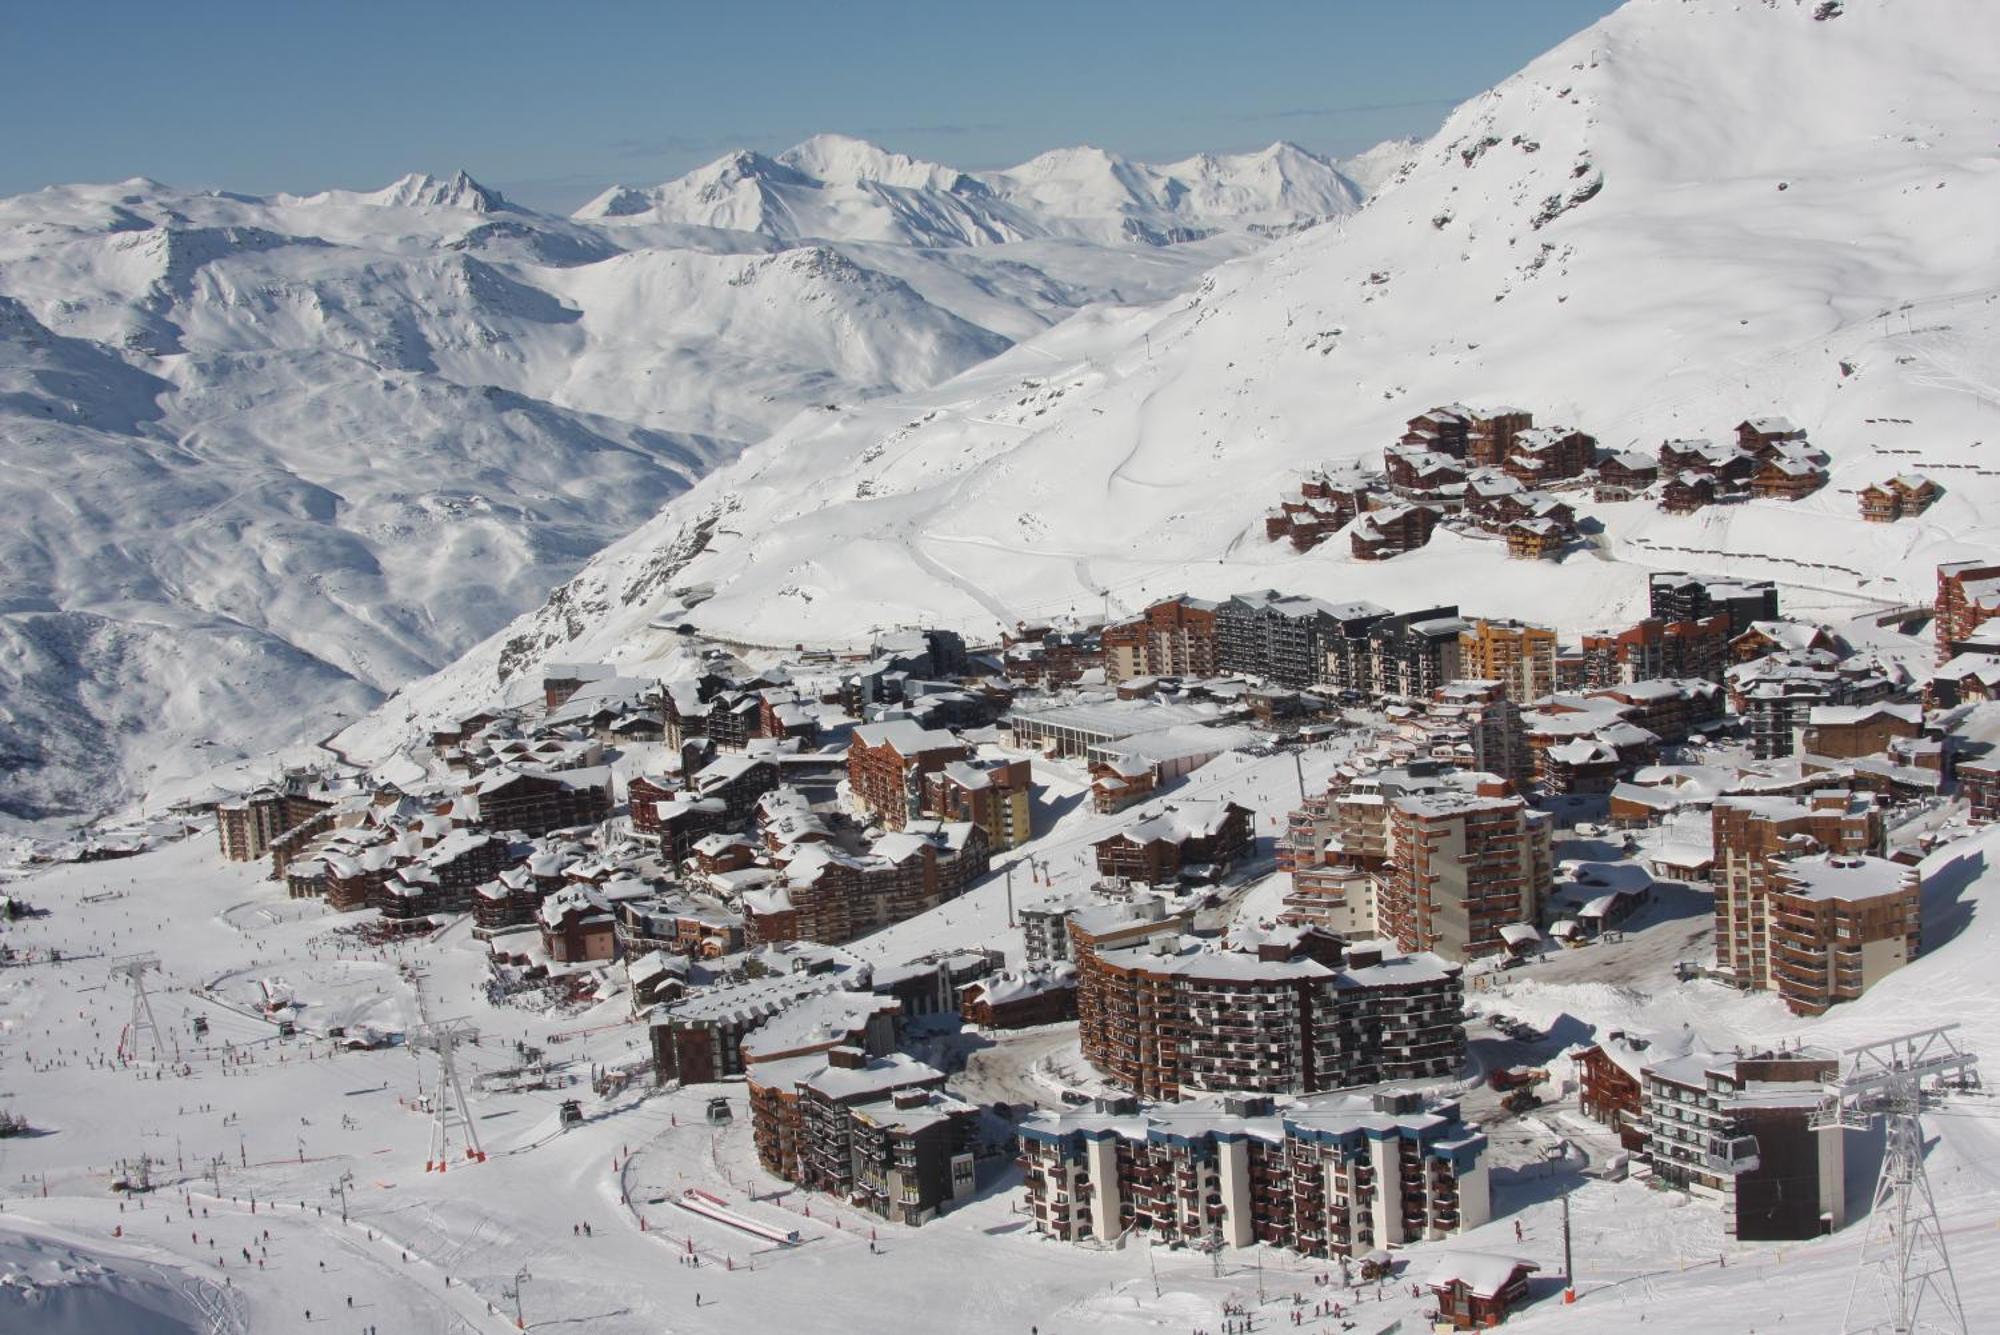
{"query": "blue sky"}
(549, 103)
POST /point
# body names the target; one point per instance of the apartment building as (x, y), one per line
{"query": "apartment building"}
(1279, 637)
(1776, 695)
(1294, 1011)
(1412, 656)
(1105, 926)
(1737, 1130)
(1522, 658)
(1673, 595)
(1336, 1176)
(700, 1037)
(1752, 836)
(1968, 596)
(1462, 867)
(878, 1132)
(995, 795)
(1348, 825)
(1839, 924)
(246, 827)
(1474, 725)
(1653, 648)
(536, 802)
(1336, 899)
(887, 764)
(1173, 638)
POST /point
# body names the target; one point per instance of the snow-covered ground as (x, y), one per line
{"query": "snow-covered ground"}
(1693, 212)
(323, 444)
(284, 1121)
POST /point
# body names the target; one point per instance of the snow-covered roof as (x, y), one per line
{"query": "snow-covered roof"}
(1845, 877)
(1112, 719)
(1180, 820)
(906, 737)
(1833, 716)
(1484, 1274)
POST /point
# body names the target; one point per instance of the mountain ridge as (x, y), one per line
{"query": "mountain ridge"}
(322, 444)
(841, 187)
(1595, 239)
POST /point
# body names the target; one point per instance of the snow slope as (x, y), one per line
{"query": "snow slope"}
(833, 186)
(1692, 212)
(51, 1287)
(323, 444)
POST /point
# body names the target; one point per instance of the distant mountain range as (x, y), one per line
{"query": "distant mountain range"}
(832, 186)
(268, 458)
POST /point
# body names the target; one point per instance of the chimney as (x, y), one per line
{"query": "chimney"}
(912, 1098)
(847, 1059)
(1364, 956)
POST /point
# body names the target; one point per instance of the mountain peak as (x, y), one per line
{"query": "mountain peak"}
(422, 191)
(846, 160)
(1061, 161)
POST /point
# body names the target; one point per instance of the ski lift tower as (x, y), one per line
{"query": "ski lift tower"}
(450, 1111)
(1903, 1260)
(133, 969)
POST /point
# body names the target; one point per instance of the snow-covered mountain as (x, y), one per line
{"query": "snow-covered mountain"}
(835, 187)
(1693, 212)
(268, 458)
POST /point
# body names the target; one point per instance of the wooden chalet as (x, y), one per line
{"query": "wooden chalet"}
(1612, 1091)
(1446, 430)
(577, 926)
(1475, 1290)
(1725, 463)
(1624, 476)
(1787, 476)
(1535, 539)
(1778, 637)
(1381, 534)
(1192, 836)
(1762, 435)
(1529, 505)
(1687, 492)
(1904, 496)
(1320, 508)
(1491, 438)
(1417, 473)
(1541, 455)
(1485, 487)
